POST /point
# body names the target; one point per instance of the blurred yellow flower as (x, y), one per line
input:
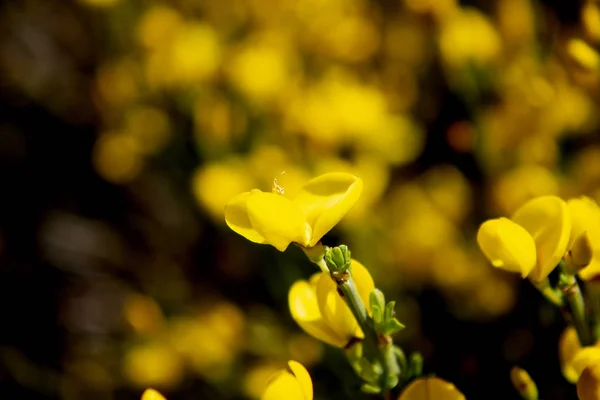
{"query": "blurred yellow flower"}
(467, 36)
(588, 384)
(261, 70)
(532, 242)
(210, 340)
(590, 18)
(431, 389)
(153, 364)
(149, 127)
(293, 383)
(151, 394)
(585, 217)
(583, 54)
(157, 26)
(192, 57)
(521, 184)
(117, 158)
(523, 383)
(143, 313)
(321, 312)
(214, 184)
(270, 218)
(568, 347)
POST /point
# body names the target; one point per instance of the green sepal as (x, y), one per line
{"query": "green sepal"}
(389, 310)
(370, 388)
(390, 327)
(391, 381)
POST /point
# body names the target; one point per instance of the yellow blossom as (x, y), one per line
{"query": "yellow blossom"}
(431, 389)
(151, 394)
(532, 242)
(568, 347)
(274, 219)
(585, 216)
(588, 384)
(293, 383)
(321, 312)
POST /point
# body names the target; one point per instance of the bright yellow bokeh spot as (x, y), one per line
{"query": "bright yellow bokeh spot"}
(153, 364)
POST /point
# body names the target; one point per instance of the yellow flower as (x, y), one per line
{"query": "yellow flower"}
(321, 312)
(151, 394)
(568, 347)
(532, 242)
(293, 383)
(273, 219)
(588, 385)
(585, 216)
(431, 389)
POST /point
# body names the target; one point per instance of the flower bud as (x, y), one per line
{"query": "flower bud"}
(523, 383)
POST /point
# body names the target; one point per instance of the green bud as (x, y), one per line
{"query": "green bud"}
(377, 298)
(370, 388)
(415, 365)
(523, 383)
(390, 327)
(391, 381)
(338, 259)
(389, 310)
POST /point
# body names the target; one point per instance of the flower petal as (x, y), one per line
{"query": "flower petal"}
(302, 299)
(586, 357)
(303, 378)
(277, 219)
(585, 217)
(431, 389)
(151, 394)
(236, 217)
(335, 311)
(283, 385)
(326, 199)
(548, 221)
(568, 347)
(507, 245)
(364, 282)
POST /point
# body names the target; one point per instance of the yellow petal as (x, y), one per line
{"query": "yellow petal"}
(592, 270)
(335, 311)
(283, 385)
(586, 357)
(568, 347)
(588, 385)
(236, 217)
(326, 199)
(303, 378)
(151, 394)
(431, 389)
(585, 217)
(364, 282)
(302, 299)
(277, 219)
(548, 221)
(507, 245)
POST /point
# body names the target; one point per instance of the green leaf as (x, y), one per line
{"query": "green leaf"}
(389, 310)
(377, 298)
(390, 327)
(377, 315)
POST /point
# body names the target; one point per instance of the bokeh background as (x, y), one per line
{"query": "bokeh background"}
(126, 125)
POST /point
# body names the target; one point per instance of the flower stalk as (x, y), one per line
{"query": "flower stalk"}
(377, 349)
(575, 310)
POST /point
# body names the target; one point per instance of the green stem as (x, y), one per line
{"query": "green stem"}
(383, 354)
(576, 307)
(551, 294)
(593, 294)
